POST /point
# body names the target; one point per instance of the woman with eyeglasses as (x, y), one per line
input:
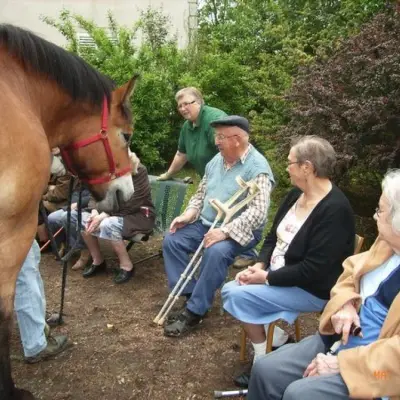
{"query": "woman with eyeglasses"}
(312, 234)
(336, 363)
(196, 140)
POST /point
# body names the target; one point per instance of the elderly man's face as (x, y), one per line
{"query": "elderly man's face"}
(188, 107)
(227, 139)
(382, 218)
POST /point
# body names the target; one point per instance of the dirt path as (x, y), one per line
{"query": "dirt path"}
(134, 360)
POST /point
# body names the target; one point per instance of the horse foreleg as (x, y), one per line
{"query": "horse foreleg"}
(13, 250)
(7, 388)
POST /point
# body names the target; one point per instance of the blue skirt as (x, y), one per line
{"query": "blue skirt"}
(263, 304)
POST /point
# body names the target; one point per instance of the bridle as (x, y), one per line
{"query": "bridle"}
(103, 137)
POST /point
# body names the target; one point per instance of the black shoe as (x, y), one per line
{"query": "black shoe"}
(185, 323)
(122, 275)
(242, 380)
(173, 315)
(92, 269)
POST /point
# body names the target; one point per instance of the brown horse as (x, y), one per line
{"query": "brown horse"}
(51, 98)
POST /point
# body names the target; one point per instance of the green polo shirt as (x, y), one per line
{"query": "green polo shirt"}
(197, 140)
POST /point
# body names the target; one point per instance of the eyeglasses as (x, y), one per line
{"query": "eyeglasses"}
(184, 105)
(220, 136)
(378, 211)
(292, 162)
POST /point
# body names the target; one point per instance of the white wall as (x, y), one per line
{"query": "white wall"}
(25, 13)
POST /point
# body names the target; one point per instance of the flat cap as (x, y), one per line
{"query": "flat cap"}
(232, 120)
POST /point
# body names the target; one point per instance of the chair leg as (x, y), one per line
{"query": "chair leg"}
(270, 336)
(297, 330)
(243, 357)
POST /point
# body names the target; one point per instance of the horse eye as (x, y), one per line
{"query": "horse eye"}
(126, 136)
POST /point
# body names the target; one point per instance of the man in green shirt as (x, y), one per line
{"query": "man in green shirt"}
(196, 140)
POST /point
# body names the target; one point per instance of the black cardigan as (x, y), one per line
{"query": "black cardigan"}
(313, 260)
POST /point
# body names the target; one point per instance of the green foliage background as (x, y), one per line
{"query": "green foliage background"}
(245, 57)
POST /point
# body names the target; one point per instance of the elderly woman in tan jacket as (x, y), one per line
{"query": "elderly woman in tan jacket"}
(341, 362)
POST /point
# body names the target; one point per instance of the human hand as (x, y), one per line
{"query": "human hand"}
(182, 220)
(343, 320)
(94, 223)
(164, 177)
(243, 274)
(214, 236)
(323, 364)
(254, 274)
(74, 206)
(311, 370)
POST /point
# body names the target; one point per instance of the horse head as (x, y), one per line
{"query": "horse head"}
(103, 159)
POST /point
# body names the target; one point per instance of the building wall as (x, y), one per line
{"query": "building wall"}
(25, 13)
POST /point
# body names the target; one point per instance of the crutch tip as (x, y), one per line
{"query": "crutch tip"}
(161, 321)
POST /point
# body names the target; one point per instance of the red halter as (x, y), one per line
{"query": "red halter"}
(101, 136)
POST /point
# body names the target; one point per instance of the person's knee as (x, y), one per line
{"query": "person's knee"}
(230, 289)
(55, 217)
(265, 368)
(218, 252)
(299, 390)
(106, 226)
(170, 241)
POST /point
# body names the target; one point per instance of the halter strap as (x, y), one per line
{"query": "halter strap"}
(103, 137)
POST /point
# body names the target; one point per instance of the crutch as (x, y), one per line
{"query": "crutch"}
(229, 210)
(219, 394)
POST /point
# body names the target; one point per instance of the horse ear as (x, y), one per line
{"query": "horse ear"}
(125, 92)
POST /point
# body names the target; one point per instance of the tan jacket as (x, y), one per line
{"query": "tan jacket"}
(373, 370)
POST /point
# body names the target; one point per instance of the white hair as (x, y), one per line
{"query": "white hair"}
(391, 190)
(57, 166)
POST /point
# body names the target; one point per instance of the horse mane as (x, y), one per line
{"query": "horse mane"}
(69, 71)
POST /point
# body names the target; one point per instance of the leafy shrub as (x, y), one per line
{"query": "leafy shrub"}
(352, 99)
(159, 62)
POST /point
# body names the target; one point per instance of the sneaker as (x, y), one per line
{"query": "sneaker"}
(55, 345)
(47, 330)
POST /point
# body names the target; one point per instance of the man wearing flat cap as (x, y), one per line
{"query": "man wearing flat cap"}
(236, 157)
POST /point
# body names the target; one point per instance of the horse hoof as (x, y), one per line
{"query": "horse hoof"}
(21, 394)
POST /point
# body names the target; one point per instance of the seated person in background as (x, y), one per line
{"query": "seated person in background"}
(55, 197)
(58, 219)
(366, 295)
(236, 158)
(137, 215)
(30, 308)
(302, 255)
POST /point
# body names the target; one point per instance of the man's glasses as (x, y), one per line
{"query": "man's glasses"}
(292, 162)
(221, 137)
(184, 105)
(378, 211)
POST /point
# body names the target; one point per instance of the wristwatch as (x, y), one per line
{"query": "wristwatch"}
(225, 231)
